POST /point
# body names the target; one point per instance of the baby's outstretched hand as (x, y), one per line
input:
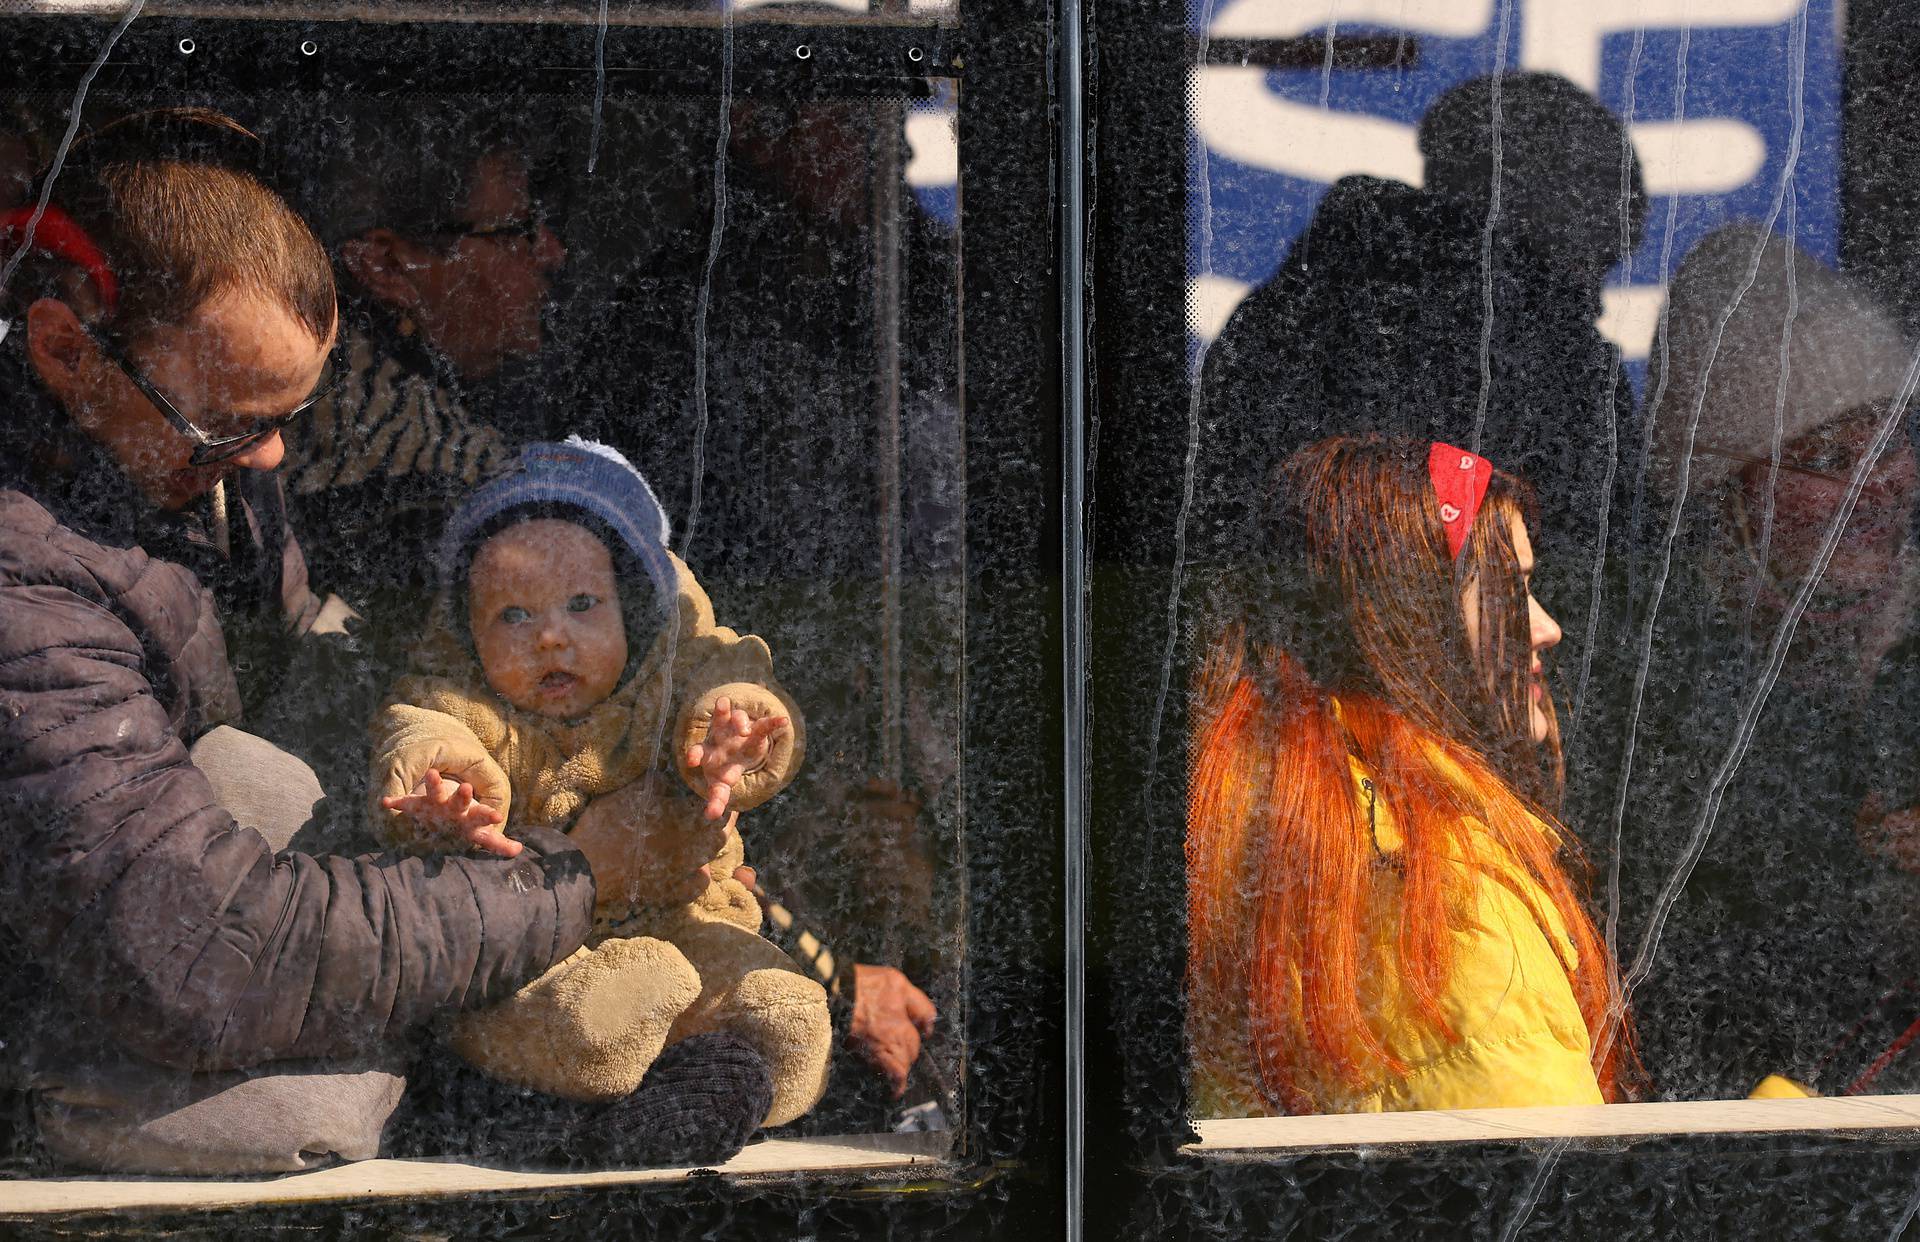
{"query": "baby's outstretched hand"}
(736, 743)
(448, 811)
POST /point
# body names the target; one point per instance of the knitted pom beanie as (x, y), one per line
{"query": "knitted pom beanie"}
(553, 479)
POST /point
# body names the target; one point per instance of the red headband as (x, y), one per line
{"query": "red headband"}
(56, 234)
(1460, 483)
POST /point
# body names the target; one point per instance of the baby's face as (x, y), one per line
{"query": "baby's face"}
(545, 614)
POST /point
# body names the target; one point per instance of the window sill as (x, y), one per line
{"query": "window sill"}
(1236, 1136)
(423, 1180)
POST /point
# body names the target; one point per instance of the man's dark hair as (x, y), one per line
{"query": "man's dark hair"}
(178, 201)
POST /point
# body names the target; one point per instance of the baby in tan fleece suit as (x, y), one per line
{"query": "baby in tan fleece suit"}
(572, 657)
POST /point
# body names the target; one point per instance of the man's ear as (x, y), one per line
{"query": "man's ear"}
(58, 346)
(376, 259)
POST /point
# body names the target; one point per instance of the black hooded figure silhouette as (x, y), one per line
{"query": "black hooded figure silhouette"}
(1462, 311)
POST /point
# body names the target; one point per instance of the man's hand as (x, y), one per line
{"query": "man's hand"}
(641, 853)
(750, 880)
(446, 812)
(1893, 837)
(735, 744)
(890, 1018)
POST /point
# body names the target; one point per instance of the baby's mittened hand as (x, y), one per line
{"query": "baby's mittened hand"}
(736, 744)
(447, 812)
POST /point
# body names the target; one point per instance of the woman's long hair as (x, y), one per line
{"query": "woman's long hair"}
(1360, 600)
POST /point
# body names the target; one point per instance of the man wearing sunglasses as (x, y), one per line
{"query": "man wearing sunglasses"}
(184, 993)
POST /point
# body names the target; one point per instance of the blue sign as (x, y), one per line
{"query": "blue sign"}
(1734, 107)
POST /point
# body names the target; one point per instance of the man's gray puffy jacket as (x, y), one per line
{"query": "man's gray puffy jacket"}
(128, 896)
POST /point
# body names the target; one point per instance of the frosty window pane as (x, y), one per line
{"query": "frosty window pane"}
(1565, 761)
(752, 301)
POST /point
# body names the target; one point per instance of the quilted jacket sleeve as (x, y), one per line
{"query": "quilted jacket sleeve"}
(154, 912)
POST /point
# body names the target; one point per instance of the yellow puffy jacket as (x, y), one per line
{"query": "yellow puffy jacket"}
(1521, 1039)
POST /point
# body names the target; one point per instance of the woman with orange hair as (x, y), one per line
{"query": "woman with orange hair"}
(1381, 915)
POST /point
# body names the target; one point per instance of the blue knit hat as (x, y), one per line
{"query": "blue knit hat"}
(580, 475)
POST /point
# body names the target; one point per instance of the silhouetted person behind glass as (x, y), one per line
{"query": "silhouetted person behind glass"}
(794, 448)
(1763, 955)
(1375, 322)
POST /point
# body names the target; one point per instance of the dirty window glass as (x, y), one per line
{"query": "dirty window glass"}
(1551, 556)
(624, 493)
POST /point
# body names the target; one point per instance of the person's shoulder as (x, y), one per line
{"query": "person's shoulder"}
(1364, 214)
(693, 609)
(21, 516)
(1518, 1036)
(33, 542)
(38, 549)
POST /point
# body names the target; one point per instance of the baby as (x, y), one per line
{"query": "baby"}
(571, 653)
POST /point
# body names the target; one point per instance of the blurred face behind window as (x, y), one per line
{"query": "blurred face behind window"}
(1806, 500)
(239, 359)
(817, 154)
(479, 292)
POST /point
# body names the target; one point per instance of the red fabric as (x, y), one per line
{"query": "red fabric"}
(58, 235)
(1460, 483)
(1887, 1057)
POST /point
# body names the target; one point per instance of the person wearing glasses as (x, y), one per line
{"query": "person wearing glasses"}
(1773, 744)
(434, 223)
(184, 993)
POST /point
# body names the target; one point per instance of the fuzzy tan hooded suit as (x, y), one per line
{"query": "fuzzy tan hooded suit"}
(655, 973)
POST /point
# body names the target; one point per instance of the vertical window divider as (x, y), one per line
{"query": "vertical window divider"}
(1073, 350)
